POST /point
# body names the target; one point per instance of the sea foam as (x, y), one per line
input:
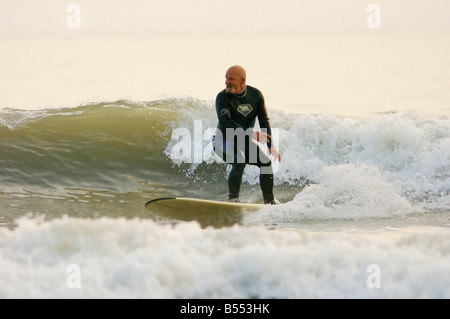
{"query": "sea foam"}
(133, 258)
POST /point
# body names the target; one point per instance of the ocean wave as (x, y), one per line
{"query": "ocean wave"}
(122, 145)
(120, 258)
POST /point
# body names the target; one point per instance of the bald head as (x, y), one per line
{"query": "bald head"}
(239, 70)
(235, 79)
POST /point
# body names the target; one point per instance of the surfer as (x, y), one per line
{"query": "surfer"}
(237, 107)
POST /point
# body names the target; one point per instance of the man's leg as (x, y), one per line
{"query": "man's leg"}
(230, 154)
(264, 162)
(240, 158)
(266, 183)
(235, 180)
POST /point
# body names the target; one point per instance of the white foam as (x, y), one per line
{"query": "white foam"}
(341, 192)
(119, 258)
(409, 151)
(17, 119)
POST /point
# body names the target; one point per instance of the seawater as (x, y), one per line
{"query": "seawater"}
(86, 138)
(355, 193)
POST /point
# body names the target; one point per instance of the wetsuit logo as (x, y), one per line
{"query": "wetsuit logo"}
(245, 109)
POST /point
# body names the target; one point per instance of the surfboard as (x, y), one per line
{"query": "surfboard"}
(188, 209)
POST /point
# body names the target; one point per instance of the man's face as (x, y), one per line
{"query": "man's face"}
(234, 82)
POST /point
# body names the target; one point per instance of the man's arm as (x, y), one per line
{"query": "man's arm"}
(264, 122)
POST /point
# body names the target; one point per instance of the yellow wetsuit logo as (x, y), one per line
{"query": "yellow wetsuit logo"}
(245, 109)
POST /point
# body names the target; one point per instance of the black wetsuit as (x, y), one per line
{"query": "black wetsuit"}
(237, 114)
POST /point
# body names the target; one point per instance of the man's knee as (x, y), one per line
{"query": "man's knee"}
(238, 167)
(267, 170)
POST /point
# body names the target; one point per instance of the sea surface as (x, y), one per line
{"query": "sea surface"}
(92, 129)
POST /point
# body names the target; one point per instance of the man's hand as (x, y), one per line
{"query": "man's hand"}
(260, 137)
(275, 153)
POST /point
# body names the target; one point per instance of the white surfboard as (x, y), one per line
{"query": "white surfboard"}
(187, 209)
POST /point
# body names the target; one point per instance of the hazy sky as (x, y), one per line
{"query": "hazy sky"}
(213, 17)
(102, 60)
